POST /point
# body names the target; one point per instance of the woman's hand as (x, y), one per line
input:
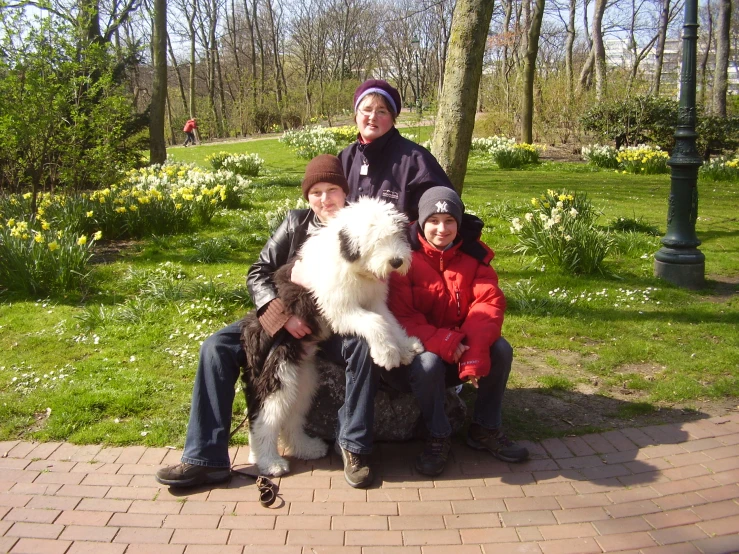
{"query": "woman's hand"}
(461, 349)
(297, 327)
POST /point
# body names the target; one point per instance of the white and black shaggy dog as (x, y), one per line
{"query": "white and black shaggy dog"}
(345, 266)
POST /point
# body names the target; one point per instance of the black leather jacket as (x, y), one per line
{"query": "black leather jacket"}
(280, 248)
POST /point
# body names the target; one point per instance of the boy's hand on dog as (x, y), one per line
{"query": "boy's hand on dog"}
(461, 349)
(297, 327)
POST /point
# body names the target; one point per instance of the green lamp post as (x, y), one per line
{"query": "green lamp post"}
(679, 261)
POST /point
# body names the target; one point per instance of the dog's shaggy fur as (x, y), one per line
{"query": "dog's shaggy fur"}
(280, 380)
(345, 266)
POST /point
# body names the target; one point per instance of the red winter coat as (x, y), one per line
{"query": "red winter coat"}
(449, 297)
(190, 125)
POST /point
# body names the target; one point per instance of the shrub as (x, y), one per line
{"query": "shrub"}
(485, 144)
(310, 142)
(246, 165)
(717, 135)
(643, 159)
(505, 152)
(637, 120)
(720, 169)
(561, 232)
(601, 156)
(37, 258)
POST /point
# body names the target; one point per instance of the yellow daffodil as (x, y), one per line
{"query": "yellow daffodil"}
(54, 245)
(44, 225)
(98, 235)
(82, 240)
(89, 214)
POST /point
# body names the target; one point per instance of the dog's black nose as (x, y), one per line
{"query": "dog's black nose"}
(396, 263)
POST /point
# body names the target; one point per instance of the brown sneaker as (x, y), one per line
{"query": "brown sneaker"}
(189, 475)
(496, 442)
(432, 460)
(357, 471)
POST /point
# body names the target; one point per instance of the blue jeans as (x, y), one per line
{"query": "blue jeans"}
(221, 358)
(428, 375)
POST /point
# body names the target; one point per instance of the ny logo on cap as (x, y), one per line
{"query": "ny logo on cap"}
(441, 206)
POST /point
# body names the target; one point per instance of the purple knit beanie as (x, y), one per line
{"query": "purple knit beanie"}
(381, 87)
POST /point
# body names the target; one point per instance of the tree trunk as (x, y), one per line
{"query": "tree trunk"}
(569, 46)
(659, 54)
(157, 145)
(179, 77)
(529, 73)
(721, 73)
(191, 83)
(456, 115)
(706, 53)
(599, 50)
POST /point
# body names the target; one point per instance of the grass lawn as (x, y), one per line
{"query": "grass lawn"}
(115, 365)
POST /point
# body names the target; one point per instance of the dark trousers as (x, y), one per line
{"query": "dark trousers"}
(221, 359)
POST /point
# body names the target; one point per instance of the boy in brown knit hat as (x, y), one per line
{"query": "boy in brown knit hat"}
(205, 459)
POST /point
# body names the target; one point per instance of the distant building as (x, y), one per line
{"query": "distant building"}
(618, 54)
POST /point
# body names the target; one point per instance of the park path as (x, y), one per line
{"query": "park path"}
(661, 489)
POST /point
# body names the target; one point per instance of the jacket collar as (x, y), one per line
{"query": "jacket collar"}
(375, 147)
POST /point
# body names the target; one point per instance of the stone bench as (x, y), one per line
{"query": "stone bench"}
(397, 415)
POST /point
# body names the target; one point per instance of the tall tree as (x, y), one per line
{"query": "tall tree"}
(157, 145)
(659, 53)
(723, 45)
(529, 73)
(599, 50)
(456, 115)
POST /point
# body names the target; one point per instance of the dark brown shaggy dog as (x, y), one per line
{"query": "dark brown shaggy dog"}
(280, 381)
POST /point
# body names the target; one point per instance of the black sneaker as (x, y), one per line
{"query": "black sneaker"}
(189, 475)
(496, 442)
(434, 456)
(357, 471)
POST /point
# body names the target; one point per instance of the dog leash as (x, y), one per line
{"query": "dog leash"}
(267, 488)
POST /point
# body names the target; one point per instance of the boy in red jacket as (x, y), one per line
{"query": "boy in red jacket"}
(451, 301)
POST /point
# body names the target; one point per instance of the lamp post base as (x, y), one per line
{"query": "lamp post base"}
(689, 276)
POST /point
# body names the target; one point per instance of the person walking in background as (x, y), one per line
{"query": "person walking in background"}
(189, 129)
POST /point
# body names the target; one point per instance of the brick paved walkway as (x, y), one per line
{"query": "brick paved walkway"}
(670, 488)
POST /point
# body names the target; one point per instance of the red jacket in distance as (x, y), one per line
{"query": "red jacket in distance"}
(190, 126)
(448, 297)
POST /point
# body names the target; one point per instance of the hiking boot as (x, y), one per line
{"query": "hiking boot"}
(496, 442)
(189, 475)
(357, 471)
(434, 456)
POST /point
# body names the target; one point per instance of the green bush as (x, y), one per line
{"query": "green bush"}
(246, 165)
(561, 232)
(601, 156)
(310, 142)
(37, 258)
(65, 116)
(717, 135)
(637, 120)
